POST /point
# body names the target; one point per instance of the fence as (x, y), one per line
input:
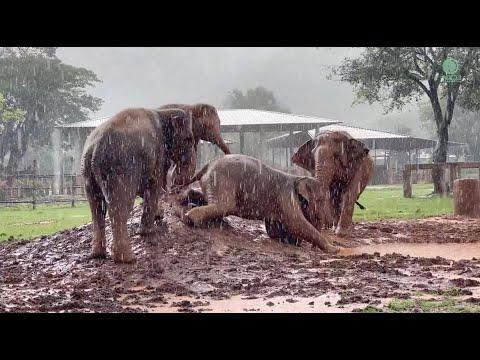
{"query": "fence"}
(32, 188)
(451, 172)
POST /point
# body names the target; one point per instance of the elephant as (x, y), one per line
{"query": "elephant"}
(206, 126)
(127, 156)
(243, 186)
(343, 167)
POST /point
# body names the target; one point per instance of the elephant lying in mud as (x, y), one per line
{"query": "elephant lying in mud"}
(205, 126)
(343, 167)
(130, 155)
(243, 186)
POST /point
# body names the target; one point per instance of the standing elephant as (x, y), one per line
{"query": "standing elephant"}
(343, 167)
(126, 156)
(243, 186)
(206, 126)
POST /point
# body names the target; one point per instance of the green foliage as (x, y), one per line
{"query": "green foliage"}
(399, 75)
(47, 90)
(9, 116)
(258, 98)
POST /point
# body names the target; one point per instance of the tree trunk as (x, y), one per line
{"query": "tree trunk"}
(440, 157)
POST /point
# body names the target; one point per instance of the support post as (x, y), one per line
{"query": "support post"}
(242, 142)
(261, 147)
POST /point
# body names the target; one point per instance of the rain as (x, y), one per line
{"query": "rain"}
(248, 180)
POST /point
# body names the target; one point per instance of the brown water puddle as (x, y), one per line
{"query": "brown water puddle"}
(239, 304)
(431, 250)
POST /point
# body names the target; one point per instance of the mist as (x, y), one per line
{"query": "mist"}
(150, 77)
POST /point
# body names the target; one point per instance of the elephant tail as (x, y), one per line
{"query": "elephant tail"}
(198, 175)
(360, 205)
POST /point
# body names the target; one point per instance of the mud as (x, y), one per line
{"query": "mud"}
(235, 267)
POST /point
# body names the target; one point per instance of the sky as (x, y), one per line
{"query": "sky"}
(151, 77)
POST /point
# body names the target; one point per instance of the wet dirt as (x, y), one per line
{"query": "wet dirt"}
(234, 267)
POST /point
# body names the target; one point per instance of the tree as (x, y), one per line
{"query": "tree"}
(9, 120)
(398, 76)
(49, 93)
(258, 98)
(465, 128)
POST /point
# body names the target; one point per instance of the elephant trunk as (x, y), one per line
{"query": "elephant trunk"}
(324, 168)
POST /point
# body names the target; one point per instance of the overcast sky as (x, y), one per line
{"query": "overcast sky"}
(150, 77)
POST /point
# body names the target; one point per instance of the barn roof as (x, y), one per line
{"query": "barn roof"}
(233, 120)
(373, 139)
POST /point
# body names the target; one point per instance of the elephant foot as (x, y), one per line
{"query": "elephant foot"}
(331, 249)
(123, 255)
(98, 253)
(342, 232)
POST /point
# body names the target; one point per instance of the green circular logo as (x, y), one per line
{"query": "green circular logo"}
(450, 66)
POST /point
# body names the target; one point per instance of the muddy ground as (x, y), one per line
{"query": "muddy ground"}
(234, 268)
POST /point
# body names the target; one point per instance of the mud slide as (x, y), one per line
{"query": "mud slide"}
(236, 267)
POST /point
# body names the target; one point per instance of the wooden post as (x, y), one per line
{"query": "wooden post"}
(466, 197)
(374, 161)
(34, 184)
(290, 149)
(242, 142)
(407, 186)
(261, 147)
(72, 191)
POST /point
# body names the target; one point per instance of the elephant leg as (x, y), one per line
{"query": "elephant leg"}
(203, 214)
(275, 230)
(296, 224)
(152, 210)
(98, 207)
(119, 209)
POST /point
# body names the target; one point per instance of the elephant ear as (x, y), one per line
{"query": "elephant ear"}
(303, 191)
(304, 157)
(175, 122)
(356, 150)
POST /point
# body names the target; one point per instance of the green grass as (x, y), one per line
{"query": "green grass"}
(21, 222)
(444, 305)
(383, 202)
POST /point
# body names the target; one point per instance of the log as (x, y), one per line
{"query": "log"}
(466, 197)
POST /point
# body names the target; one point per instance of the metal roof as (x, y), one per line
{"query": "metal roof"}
(233, 120)
(373, 139)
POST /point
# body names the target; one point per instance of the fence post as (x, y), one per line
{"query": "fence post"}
(74, 177)
(407, 186)
(34, 183)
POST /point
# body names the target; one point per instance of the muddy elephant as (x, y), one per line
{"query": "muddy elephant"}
(206, 126)
(130, 155)
(343, 167)
(243, 186)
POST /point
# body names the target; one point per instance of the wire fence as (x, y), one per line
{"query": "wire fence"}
(32, 188)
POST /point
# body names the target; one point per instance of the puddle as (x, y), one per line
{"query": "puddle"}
(431, 250)
(240, 304)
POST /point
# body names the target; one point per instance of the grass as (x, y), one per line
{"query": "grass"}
(384, 202)
(444, 305)
(21, 222)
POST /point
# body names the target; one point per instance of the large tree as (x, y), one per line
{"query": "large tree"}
(10, 118)
(465, 127)
(258, 98)
(47, 90)
(398, 76)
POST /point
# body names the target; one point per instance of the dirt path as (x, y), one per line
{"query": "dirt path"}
(236, 268)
